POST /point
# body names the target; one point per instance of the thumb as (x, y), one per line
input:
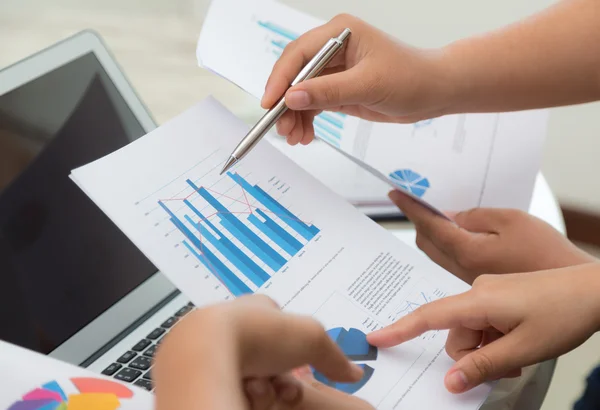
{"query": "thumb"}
(481, 220)
(328, 91)
(490, 362)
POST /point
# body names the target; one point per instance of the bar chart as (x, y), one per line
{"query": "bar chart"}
(242, 241)
(329, 126)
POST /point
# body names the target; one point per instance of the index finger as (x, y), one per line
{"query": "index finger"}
(296, 55)
(446, 313)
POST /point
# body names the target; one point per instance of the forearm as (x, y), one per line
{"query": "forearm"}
(550, 59)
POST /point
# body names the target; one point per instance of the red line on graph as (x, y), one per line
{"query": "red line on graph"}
(247, 203)
(225, 196)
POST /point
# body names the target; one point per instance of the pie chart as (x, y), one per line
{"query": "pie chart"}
(410, 181)
(353, 343)
(92, 394)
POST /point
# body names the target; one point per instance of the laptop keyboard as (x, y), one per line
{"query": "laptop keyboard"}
(135, 365)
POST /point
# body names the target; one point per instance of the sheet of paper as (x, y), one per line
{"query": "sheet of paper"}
(269, 227)
(29, 380)
(410, 184)
(453, 163)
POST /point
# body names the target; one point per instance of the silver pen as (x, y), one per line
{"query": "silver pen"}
(311, 70)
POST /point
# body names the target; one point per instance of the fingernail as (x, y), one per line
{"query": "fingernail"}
(302, 371)
(297, 100)
(456, 381)
(267, 89)
(257, 387)
(289, 393)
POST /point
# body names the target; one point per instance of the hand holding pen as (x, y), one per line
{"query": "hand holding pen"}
(314, 67)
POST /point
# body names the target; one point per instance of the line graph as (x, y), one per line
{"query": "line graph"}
(420, 294)
(237, 230)
(410, 306)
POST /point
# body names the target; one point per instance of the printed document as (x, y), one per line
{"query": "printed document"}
(30, 380)
(269, 227)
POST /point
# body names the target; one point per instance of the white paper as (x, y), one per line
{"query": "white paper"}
(404, 185)
(319, 255)
(453, 163)
(29, 381)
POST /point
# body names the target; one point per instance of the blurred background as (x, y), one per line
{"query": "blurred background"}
(154, 42)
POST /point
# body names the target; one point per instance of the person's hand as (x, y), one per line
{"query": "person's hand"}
(315, 395)
(238, 355)
(374, 77)
(507, 322)
(489, 241)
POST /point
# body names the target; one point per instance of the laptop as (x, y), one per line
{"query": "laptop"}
(72, 286)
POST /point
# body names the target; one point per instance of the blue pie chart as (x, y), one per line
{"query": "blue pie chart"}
(353, 343)
(410, 181)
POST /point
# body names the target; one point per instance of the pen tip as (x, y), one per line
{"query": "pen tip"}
(230, 162)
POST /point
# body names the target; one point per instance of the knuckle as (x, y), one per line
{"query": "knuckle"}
(374, 86)
(343, 18)
(289, 50)
(421, 240)
(421, 313)
(484, 289)
(482, 364)
(510, 215)
(483, 281)
(291, 46)
(266, 301)
(331, 94)
(466, 257)
(450, 350)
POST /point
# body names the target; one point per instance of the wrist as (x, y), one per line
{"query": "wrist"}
(439, 88)
(199, 359)
(453, 66)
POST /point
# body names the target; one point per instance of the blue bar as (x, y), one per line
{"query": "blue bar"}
(244, 234)
(277, 53)
(228, 278)
(278, 30)
(334, 132)
(251, 245)
(279, 44)
(319, 132)
(271, 234)
(272, 205)
(199, 214)
(231, 246)
(229, 282)
(296, 244)
(331, 119)
(230, 254)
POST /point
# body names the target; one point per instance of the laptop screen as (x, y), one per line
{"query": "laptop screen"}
(62, 261)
